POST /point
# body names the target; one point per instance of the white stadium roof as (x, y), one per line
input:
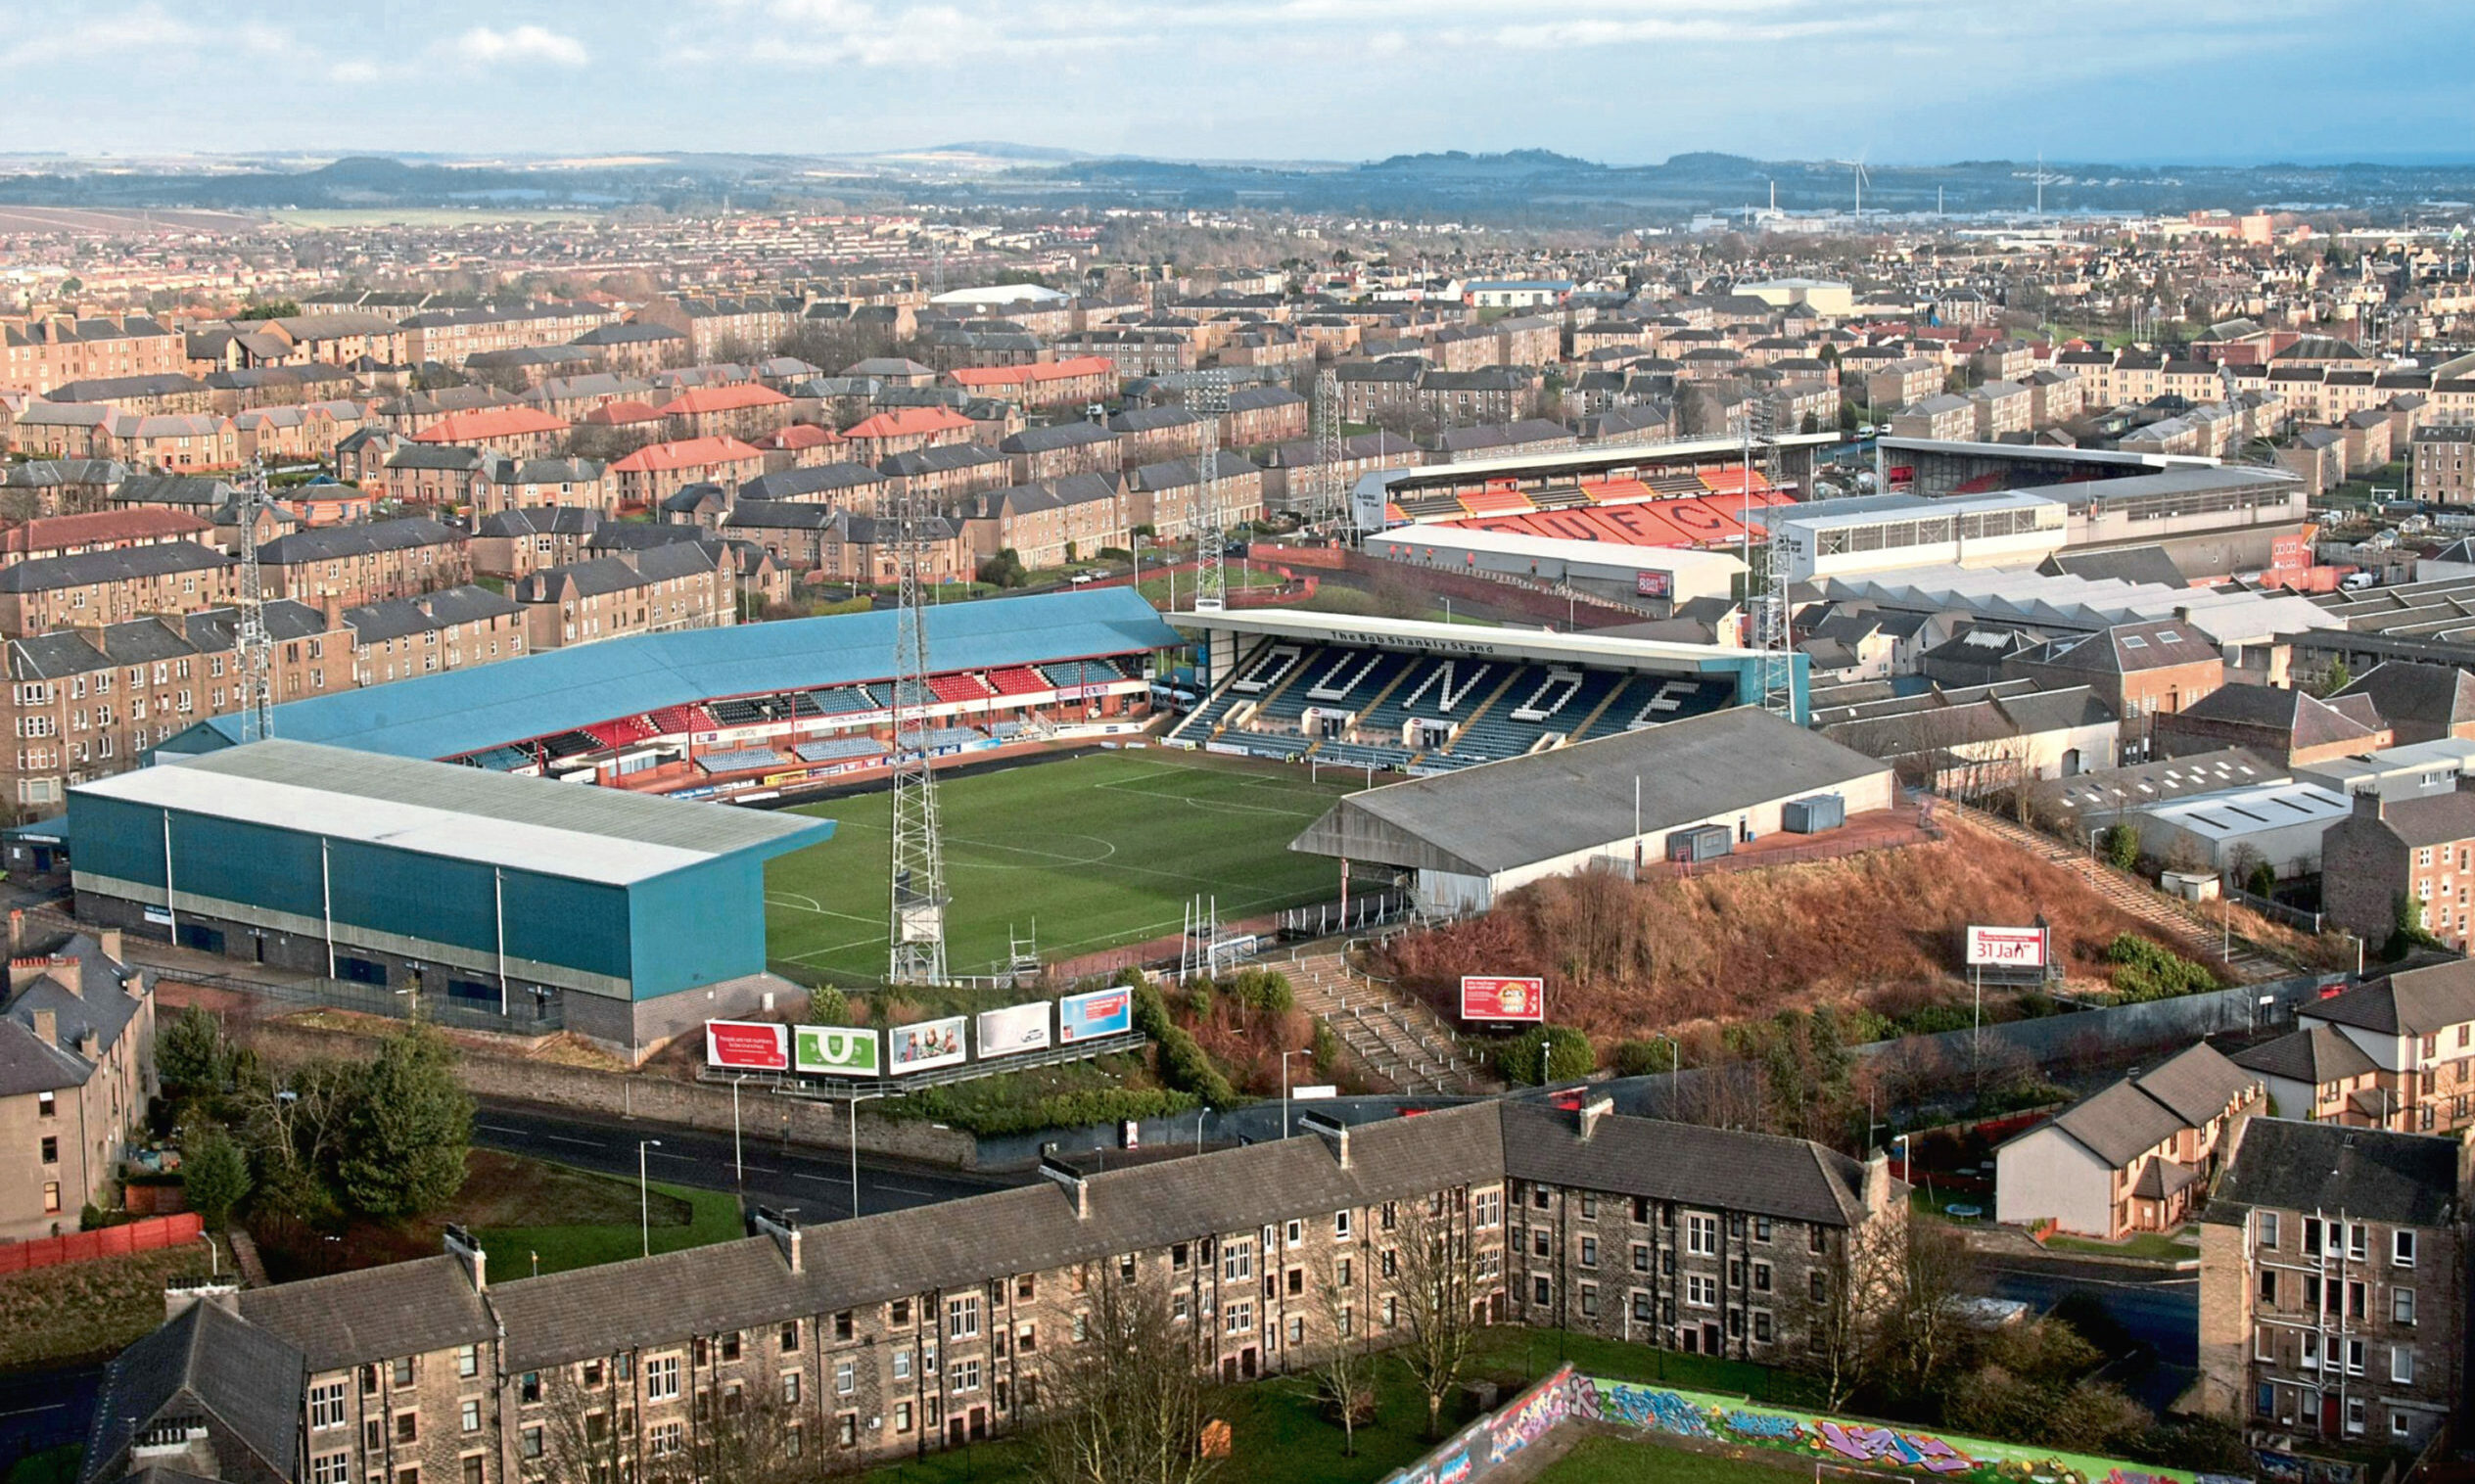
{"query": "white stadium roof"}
(2034, 600)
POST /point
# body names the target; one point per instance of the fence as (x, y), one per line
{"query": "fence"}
(528, 1013)
(1325, 919)
(152, 1235)
(2276, 912)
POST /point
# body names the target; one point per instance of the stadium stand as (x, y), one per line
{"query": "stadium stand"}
(741, 760)
(1017, 681)
(839, 750)
(958, 689)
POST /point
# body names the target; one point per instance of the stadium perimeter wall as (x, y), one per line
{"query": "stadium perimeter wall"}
(694, 1105)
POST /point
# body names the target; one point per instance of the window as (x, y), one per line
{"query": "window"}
(2402, 1248)
(2402, 1306)
(1814, 1286)
(1026, 1287)
(1589, 1206)
(373, 1435)
(1541, 1292)
(2398, 1423)
(902, 1364)
(1641, 1310)
(2265, 1401)
(408, 1427)
(790, 1388)
(902, 1417)
(1762, 1277)
(1487, 1210)
(468, 1360)
(665, 1438)
(1590, 1299)
(2401, 1365)
(403, 1371)
(2267, 1222)
(1294, 1233)
(326, 1405)
(1237, 1260)
(1701, 1235)
(1026, 1338)
(2355, 1351)
(1761, 1325)
(1391, 1310)
(1238, 1318)
(1816, 1240)
(468, 1417)
(730, 1346)
(331, 1468)
(2268, 1286)
(51, 1149)
(846, 1378)
(1341, 1226)
(962, 1316)
(846, 1429)
(661, 1378)
(2355, 1413)
(530, 1442)
(1641, 1257)
(528, 1385)
(790, 1338)
(1589, 1252)
(1701, 1291)
(966, 1375)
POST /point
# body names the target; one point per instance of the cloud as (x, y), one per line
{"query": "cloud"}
(140, 34)
(486, 46)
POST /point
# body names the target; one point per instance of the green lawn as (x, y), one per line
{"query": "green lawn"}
(1099, 849)
(710, 1216)
(2168, 1247)
(82, 1310)
(1237, 577)
(1621, 1460)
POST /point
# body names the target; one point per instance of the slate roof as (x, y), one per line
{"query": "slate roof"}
(335, 542)
(2371, 1174)
(2314, 1054)
(2430, 695)
(2135, 1115)
(2127, 648)
(243, 1376)
(2308, 721)
(1785, 1178)
(350, 1318)
(1062, 436)
(545, 520)
(2413, 1003)
(171, 490)
(790, 483)
(121, 564)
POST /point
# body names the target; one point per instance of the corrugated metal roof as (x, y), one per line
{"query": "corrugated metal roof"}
(459, 814)
(462, 710)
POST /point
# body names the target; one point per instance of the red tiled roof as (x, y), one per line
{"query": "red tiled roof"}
(909, 421)
(721, 400)
(138, 523)
(1044, 371)
(490, 422)
(624, 410)
(685, 453)
(800, 435)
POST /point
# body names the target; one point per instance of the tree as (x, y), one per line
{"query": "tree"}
(1937, 1272)
(1436, 1298)
(2335, 679)
(2121, 844)
(191, 1054)
(405, 1142)
(1344, 1379)
(582, 1438)
(1861, 1276)
(216, 1174)
(1569, 1055)
(1126, 1405)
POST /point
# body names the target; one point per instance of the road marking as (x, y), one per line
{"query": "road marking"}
(908, 1190)
(28, 1412)
(557, 1139)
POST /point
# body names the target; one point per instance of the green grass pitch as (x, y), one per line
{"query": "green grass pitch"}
(1101, 849)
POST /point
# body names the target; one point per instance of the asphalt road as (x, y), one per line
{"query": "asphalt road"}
(817, 1182)
(44, 1408)
(2161, 1313)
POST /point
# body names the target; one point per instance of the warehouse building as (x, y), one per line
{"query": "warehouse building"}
(624, 918)
(1460, 840)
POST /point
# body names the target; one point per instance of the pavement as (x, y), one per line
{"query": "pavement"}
(816, 1183)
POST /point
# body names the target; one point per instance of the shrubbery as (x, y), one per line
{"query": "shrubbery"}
(1568, 1056)
(1057, 1110)
(2143, 971)
(1183, 1064)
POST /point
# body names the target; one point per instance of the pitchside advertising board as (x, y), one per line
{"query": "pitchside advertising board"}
(927, 1044)
(2006, 948)
(1497, 996)
(748, 1045)
(1014, 1029)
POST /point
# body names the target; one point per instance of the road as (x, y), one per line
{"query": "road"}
(817, 1182)
(44, 1408)
(2160, 1312)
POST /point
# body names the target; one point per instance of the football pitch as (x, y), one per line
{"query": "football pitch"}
(1101, 850)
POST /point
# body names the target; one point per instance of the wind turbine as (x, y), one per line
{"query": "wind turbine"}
(1857, 166)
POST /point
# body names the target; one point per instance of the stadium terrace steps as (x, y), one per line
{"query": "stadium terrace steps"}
(1399, 1039)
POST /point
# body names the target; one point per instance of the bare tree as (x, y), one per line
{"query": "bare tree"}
(1344, 1379)
(1862, 1274)
(586, 1431)
(1434, 1296)
(1128, 1403)
(1937, 1273)
(733, 1439)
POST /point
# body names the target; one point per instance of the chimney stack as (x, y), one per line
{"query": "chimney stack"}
(47, 1025)
(1066, 1175)
(109, 940)
(2369, 805)
(24, 971)
(461, 1246)
(17, 931)
(1591, 1112)
(779, 1226)
(1331, 1131)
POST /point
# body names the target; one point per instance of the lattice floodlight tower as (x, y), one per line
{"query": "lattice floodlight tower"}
(1774, 660)
(916, 917)
(256, 645)
(1331, 500)
(1208, 397)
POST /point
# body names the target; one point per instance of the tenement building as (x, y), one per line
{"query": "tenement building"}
(916, 1330)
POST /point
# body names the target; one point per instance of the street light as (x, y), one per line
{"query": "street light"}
(739, 1161)
(214, 1255)
(2092, 842)
(1284, 1093)
(644, 1194)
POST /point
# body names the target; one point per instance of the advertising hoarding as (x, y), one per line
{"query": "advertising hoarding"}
(1015, 1028)
(927, 1044)
(748, 1045)
(835, 1050)
(1655, 585)
(2006, 947)
(1499, 996)
(1101, 1012)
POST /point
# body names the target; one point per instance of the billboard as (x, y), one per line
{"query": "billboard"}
(927, 1043)
(836, 1051)
(2006, 947)
(1015, 1028)
(1655, 585)
(748, 1045)
(1101, 1012)
(1496, 997)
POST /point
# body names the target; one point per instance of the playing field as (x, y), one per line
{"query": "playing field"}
(1101, 850)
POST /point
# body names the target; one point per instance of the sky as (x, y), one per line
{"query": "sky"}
(1625, 81)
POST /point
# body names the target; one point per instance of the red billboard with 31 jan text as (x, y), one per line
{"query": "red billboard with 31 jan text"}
(1496, 997)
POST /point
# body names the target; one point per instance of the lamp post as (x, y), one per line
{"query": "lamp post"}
(214, 1255)
(1284, 1093)
(738, 1160)
(2092, 842)
(644, 1196)
(1675, 1068)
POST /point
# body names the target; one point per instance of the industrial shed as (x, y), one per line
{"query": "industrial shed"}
(621, 917)
(1468, 837)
